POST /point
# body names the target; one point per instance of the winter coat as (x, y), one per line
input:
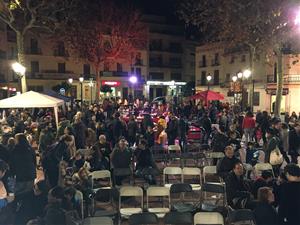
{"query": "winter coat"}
(225, 165)
(265, 214)
(219, 142)
(79, 134)
(248, 122)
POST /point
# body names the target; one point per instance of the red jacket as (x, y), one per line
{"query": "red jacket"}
(248, 122)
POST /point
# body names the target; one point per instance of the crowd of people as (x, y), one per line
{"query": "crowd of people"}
(121, 138)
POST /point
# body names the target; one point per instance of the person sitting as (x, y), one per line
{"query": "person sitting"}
(226, 164)
(121, 159)
(252, 154)
(150, 136)
(98, 161)
(264, 212)
(145, 163)
(103, 146)
(220, 140)
(266, 180)
(77, 161)
(236, 187)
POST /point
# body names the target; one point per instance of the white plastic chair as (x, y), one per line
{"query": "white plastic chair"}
(175, 171)
(194, 172)
(259, 167)
(159, 192)
(208, 218)
(130, 191)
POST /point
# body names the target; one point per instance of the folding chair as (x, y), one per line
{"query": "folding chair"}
(174, 218)
(101, 174)
(79, 198)
(214, 155)
(174, 152)
(171, 171)
(242, 216)
(248, 168)
(259, 167)
(188, 172)
(181, 205)
(130, 191)
(159, 192)
(217, 194)
(143, 218)
(98, 220)
(125, 172)
(159, 154)
(211, 171)
(208, 218)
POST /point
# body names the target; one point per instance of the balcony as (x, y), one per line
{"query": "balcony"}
(114, 74)
(292, 78)
(51, 74)
(202, 64)
(33, 51)
(215, 63)
(61, 53)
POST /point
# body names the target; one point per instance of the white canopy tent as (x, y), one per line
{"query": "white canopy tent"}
(33, 99)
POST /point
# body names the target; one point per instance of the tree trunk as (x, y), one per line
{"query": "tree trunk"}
(97, 84)
(251, 89)
(279, 83)
(21, 58)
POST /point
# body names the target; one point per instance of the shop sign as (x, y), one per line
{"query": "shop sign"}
(111, 83)
(272, 91)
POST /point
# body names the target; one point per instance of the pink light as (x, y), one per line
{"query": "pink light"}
(297, 18)
(133, 79)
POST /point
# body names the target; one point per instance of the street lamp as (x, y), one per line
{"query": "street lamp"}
(208, 78)
(133, 80)
(81, 79)
(234, 79)
(70, 80)
(20, 70)
(247, 73)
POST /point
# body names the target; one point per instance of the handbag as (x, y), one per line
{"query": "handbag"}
(276, 158)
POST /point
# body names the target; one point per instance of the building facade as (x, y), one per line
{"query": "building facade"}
(222, 64)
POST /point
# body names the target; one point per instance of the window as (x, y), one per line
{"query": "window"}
(275, 73)
(61, 51)
(86, 69)
(36, 88)
(34, 46)
(216, 77)
(35, 67)
(106, 66)
(119, 67)
(203, 78)
(232, 58)
(175, 47)
(138, 59)
(156, 61)
(61, 67)
(216, 59)
(174, 61)
(156, 76)
(138, 71)
(176, 76)
(256, 98)
(243, 59)
(203, 62)
(227, 78)
(156, 45)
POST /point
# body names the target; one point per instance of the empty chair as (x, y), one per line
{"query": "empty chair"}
(208, 218)
(171, 171)
(174, 152)
(244, 216)
(211, 171)
(129, 191)
(143, 218)
(181, 204)
(214, 156)
(192, 172)
(217, 193)
(101, 175)
(173, 218)
(259, 167)
(159, 153)
(98, 220)
(159, 192)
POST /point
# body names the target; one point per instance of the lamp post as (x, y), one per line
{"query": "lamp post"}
(243, 75)
(208, 78)
(234, 79)
(20, 70)
(81, 79)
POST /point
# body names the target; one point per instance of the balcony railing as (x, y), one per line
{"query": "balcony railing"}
(202, 64)
(292, 78)
(114, 74)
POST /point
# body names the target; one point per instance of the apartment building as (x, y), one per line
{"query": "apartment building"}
(223, 63)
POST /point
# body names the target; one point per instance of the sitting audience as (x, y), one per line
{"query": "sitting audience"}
(226, 164)
(265, 180)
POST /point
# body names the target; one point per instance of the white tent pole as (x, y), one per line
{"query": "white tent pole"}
(56, 116)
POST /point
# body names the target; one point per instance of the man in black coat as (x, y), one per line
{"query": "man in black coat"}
(172, 129)
(294, 142)
(117, 128)
(220, 140)
(226, 164)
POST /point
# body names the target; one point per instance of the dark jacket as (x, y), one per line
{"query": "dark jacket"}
(144, 159)
(172, 128)
(265, 214)
(294, 142)
(289, 203)
(225, 165)
(272, 144)
(23, 163)
(117, 129)
(121, 159)
(132, 129)
(219, 142)
(235, 187)
(79, 134)
(150, 137)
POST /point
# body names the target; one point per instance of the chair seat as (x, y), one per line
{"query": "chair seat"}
(101, 188)
(126, 212)
(196, 187)
(160, 212)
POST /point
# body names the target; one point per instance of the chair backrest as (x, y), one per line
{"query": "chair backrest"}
(214, 188)
(208, 218)
(241, 215)
(209, 170)
(171, 171)
(259, 167)
(191, 171)
(158, 192)
(143, 218)
(185, 218)
(79, 197)
(215, 155)
(131, 191)
(181, 188)
(101, 174)
(174, 148)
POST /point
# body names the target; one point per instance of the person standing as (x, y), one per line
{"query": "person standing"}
(23, 164)
(248, 126)
(80, 132)
(172, 129)
(132, 130)
(294, 142)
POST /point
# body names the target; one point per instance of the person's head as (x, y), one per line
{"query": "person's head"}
(78, 155)
(232, 127)
(68, 130)
(66, 138)
(229, 151)
(238, 169)
(40, 187)
(277, 123)
(270, 132)
(3, 168)
(297, 126)
(292, 172)
(142, 144)
(251, 145)
(11, 141)
(265, 194)
(249, 114)
(56, 194)
(284, 126)
(83, 173)
(21, 139)
(267, 175)
(122, 143)
(102, 139)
